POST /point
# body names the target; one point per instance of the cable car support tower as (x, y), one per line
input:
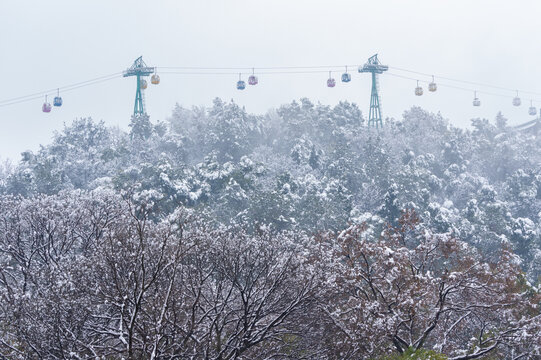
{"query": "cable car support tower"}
(139, 69)
(375, 67)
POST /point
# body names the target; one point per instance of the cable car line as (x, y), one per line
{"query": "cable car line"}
(464, 81)
(63, 88)
(67, 88)
(107, 77)
(246, 73)
(453, 86)
(333, 67)
(250, 73)
(249, 68)
(341, 67)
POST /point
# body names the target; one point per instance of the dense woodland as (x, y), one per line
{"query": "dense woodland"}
(298, 234)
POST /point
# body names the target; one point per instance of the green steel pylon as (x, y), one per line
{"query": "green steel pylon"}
(374, 66)
(139, 69)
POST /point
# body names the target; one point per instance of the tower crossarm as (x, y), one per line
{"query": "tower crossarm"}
(373, 66)
(139, 68)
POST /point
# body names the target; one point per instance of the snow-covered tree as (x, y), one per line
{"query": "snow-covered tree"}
(413, 289)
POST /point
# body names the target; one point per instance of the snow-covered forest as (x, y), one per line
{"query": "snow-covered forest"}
(297, 234)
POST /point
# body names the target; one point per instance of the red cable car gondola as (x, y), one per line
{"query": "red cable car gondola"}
(331, 82)
(252, 80)
(46, 106)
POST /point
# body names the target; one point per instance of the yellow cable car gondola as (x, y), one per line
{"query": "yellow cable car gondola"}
(418, 90)
(155, 79)
(432, 86)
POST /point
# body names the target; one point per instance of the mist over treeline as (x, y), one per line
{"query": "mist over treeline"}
(310, 167)
(301, 233)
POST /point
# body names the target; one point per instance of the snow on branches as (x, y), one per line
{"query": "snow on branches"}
(94, 274)
(412, 289)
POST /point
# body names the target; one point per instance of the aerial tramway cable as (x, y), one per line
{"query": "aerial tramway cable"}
(286, 70)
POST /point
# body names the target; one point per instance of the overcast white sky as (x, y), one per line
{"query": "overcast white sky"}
(49, 44)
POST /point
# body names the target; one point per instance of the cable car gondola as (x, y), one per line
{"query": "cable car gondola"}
(46, 106)
(252, 79)
(57, 99)
(418, 90)
(516, 100)
(346, 77)
(331, 82)
(476, 101)
(241, 85)
(532, 110)
(432, 86)
(155, 79)
(144, 84)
